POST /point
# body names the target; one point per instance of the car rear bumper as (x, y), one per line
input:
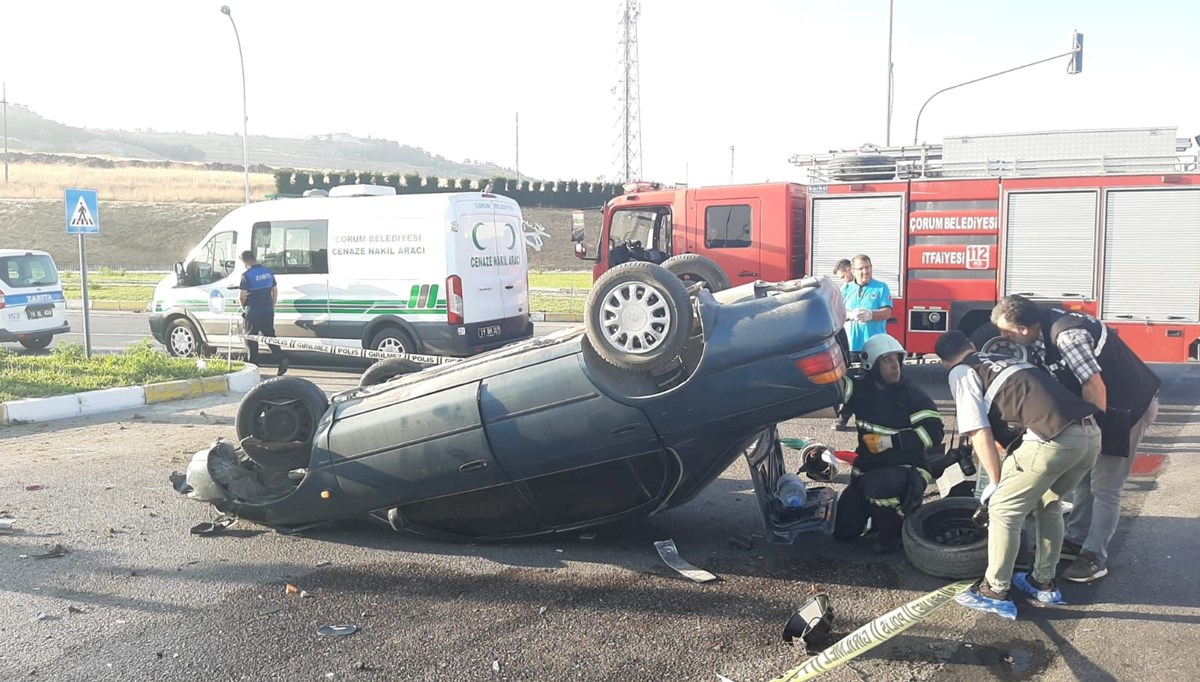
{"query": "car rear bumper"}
(7, 336)
(470, 339)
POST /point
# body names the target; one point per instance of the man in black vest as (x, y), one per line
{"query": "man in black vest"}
(1052, 439)
(1092, 361)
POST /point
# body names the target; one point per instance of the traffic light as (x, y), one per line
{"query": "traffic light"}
(1076, 64)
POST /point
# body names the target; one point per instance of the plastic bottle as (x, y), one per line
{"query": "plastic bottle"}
(790, 491)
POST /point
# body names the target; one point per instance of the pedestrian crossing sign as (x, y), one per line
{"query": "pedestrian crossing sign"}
(83, 212)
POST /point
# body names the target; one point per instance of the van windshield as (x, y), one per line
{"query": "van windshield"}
(28, 270)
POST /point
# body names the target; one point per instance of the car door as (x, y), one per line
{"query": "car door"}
(728, 229)
(478, 262)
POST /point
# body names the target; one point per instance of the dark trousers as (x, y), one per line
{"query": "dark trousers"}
(879, 495)
(264, 325)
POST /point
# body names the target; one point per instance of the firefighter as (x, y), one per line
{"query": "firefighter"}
(1093, 362)
(897, 423)
(1053, 440)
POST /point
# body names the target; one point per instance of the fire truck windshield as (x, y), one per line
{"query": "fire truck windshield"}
(637, 225)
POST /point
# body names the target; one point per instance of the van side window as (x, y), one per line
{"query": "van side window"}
(216, 259)
(292, 247)
(727, 227)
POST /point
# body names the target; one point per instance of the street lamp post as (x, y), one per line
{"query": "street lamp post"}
(1076, 53)
(245, 156)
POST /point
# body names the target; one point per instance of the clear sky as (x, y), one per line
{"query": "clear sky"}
(770, 77)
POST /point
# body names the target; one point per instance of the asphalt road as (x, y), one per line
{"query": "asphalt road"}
(137, 597)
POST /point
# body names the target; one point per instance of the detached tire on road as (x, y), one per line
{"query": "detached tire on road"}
(693, 268)
(941, 540)
(387, 369)
(281, 412)
(637, 316)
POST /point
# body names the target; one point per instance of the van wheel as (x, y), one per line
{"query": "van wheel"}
(941, 540)
(182, 338)
(279, 417)
(637, 316)
(693, 268)
(386, 370)
(393, 340)
(36, 342)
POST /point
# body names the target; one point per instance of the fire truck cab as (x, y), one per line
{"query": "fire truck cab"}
(1102, 221)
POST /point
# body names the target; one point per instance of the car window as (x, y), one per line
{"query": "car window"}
(28, 270)
(727, 227)
(638, 225)
(292, 246)
(216, 260)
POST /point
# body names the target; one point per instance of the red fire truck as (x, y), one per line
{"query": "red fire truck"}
(1105, 221)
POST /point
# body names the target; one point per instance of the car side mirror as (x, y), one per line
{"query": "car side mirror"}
(180, 275)
(580, 251)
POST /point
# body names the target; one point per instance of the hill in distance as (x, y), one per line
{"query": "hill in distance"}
(31, 133)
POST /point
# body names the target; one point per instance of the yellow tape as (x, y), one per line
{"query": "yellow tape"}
(874, 633)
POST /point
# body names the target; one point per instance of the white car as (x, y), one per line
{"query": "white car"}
(32, 306)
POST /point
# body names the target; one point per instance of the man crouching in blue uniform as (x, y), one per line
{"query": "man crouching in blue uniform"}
(897, 423)
(258, 295)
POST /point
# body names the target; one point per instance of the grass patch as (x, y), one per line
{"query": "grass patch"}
(540, 303)
(581, 281)
(184, 183)
(65, 370)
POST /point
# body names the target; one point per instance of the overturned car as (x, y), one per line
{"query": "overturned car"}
(634, 412)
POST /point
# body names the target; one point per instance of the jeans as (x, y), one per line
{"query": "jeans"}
(1097, 499)
(1034, 478)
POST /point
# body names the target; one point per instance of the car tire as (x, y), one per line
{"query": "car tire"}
(182, 339)
(387, 369)
(693, 268)
(637, 316)
(393, 340)
(941, 540)
(36, 342)
(281, 410)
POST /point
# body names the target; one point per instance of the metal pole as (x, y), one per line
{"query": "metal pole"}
(245, 117)
(4, 96)
(917, 127)
(83, 272)
(731, 164)
(518, 130)
(888, 137)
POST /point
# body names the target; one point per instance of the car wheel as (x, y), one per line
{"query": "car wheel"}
(941, 540)
(182, 338)
(36, 342)
(393, 340)
(637, 316)
(280, 417)
(385, 370)
(693, 268)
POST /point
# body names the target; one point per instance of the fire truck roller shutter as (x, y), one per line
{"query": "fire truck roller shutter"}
(1152, 255)
(1050, 245)
(873, 225)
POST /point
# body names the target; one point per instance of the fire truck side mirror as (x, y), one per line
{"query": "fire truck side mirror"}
(580, 250)
(1076, 64)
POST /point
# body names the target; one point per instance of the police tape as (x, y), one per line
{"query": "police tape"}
(874, 633)
(300, 344)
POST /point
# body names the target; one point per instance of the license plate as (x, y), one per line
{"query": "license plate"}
(486, 332)
(39, 313)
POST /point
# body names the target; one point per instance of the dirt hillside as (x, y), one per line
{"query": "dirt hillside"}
(152, 236)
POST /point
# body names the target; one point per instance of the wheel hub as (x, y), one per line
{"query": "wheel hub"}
(635, 318)
(281, 423)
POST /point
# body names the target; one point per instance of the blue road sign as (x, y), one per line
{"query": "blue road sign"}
(83, 212)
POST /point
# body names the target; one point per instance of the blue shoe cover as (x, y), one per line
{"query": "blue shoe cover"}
(1041, 597)
(1001, 607)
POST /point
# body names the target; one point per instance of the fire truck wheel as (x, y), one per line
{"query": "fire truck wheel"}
(693, 268)
(941, 539)
(386, 370)
(637, 316)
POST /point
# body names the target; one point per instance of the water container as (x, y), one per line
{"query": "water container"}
(790, 491)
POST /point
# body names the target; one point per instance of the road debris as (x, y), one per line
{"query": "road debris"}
(34, 486)
(812, 622)
(495, 666)
(337, 630)
(270, 609)
(215, 527)
(669, 553)
(75, 609)
(323, 562)
(290, 589)
(55, 552)
(7, 525)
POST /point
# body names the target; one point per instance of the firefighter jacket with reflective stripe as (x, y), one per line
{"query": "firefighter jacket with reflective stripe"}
(1021, 397)
(1130, 384)
(903, 411)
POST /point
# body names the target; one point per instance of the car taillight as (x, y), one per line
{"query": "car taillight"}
(454, 300)
(824, 367)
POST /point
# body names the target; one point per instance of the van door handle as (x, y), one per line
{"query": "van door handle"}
(510, 286)
(473, 466)
(747, 273)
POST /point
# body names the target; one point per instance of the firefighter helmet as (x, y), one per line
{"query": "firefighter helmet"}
(878, 346)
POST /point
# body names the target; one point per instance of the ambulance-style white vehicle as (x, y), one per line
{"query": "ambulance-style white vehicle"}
(442, 274)
(32, 306)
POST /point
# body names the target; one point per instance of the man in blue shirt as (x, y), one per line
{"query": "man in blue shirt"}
(868, 307)
(258, 295)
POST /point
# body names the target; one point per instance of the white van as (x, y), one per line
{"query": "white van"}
(442, 274)
(32, 306)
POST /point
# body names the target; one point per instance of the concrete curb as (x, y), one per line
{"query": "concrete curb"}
(126, 306)
(555, 317)
(126, 397)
